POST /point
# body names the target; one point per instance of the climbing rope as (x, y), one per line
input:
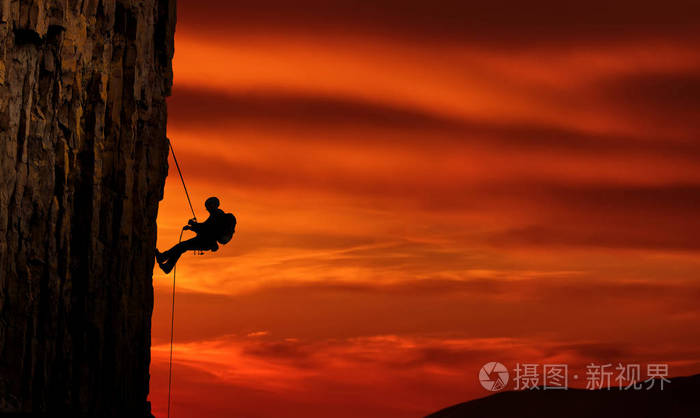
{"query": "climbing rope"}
(172, 311)
(172, 328)
(182, 179)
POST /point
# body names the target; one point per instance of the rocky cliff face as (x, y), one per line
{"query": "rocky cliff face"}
(83, 160)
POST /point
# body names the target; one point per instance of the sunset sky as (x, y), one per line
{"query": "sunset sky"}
(424, 187)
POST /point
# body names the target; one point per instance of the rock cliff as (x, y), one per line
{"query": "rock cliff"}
(83, 160)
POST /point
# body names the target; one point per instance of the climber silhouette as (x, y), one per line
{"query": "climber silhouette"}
(218, 228)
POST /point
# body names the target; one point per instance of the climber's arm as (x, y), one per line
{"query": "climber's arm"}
(193, 225)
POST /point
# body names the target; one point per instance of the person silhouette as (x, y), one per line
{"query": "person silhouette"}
(220, 226)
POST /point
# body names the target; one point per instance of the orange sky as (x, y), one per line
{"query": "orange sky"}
(422, 189)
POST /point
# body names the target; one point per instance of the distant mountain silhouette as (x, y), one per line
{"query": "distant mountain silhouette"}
(679, 399)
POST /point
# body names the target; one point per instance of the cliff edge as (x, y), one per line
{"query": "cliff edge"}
(83, 161)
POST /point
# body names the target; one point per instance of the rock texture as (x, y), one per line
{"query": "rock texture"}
(83, 160)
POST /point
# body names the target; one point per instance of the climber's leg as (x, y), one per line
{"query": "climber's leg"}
(160, 257)
(173, 254)
(177, 250)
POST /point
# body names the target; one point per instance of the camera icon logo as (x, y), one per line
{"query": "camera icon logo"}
(494, 376)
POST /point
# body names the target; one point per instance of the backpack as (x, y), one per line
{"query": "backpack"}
(228, 228)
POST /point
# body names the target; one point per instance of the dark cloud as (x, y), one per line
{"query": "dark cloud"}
(637, 236)
(448, 357)
(294, 352)
(652, 217)
(324, 309)
(200, 108)
(584, 209)
(193, 106)
(485, 22)
(609, 352)
(600, 352)
(676, 91)
(614, 216)
(652, 203)
(672, 98)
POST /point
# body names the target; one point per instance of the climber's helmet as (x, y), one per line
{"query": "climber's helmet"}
(211, 204)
